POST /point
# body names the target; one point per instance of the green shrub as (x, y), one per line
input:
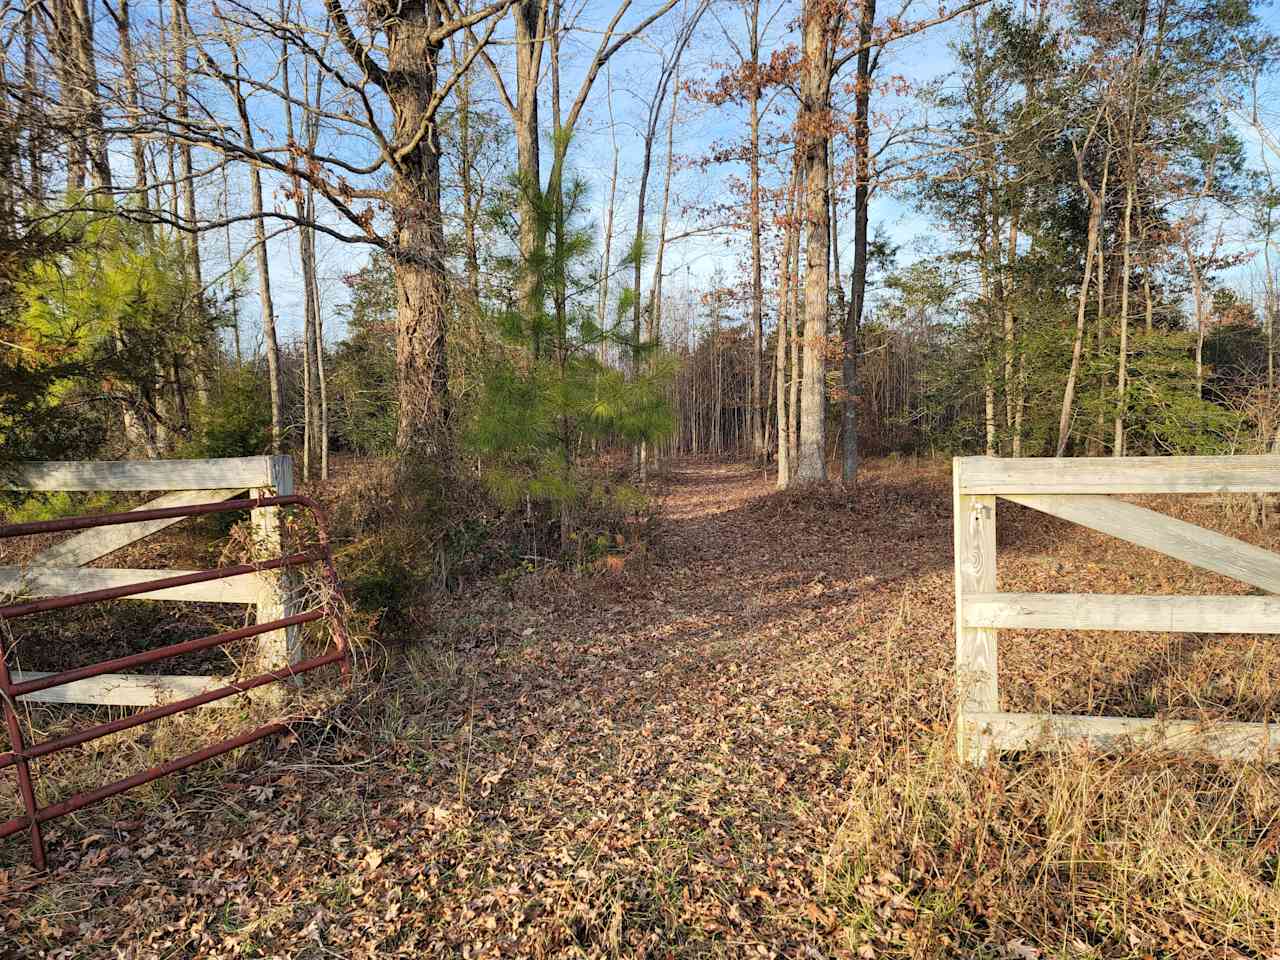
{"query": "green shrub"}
(58, 504)
(235, 422)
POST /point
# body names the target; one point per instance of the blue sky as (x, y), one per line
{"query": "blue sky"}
(697, 260)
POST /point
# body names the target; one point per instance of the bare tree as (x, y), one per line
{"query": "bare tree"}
(537, 25)
(393, 72)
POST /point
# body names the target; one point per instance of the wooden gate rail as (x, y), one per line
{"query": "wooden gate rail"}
(1079, 490)
(60, 569)
(20, 754)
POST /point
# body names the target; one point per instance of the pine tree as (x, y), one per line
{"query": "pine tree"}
(538, 413)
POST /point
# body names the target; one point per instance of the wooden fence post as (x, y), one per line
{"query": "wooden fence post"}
(279, 647)
(978, 691)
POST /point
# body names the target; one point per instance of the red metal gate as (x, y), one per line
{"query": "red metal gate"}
(20, 754)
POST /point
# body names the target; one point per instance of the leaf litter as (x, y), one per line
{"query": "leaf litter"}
(743, 750)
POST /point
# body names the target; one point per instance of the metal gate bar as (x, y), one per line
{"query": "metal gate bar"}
(21, 754)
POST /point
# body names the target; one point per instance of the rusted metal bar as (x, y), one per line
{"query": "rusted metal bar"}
(20, 754)
(16, 610)
(79, 801)
(35, 751)
(82, 800)
(25, 787)
(67, 524)
(161, 653)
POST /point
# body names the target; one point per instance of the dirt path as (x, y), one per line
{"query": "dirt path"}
(670, 757)
(714, 756)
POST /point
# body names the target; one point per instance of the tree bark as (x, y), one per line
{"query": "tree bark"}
(1091, 244)
(275, 374)
(758, 443)
(1012, 381)
(1197, 295)
(814, 135)
(655, 288)
(35, 142)
(791, 233)
(606, 262)
(422, 286)
(129, 68)
(861, 219)
(794, 313)
(471, 196)
(1122, 363)
(529, 18)
(200, 358)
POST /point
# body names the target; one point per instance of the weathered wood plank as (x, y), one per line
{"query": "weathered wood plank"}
(1228, 741)
(59, 581)
(977, 673)
(90, 545)
(1094, 611)
(239, 473)
(279, 647)
(124, 690)
(1051, 475)
(1155, 531)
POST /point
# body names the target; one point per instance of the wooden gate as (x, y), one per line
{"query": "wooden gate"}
(1080, 490)
(60, 569)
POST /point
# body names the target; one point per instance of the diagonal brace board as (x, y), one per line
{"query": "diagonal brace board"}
(91, 544)
(1163, 534)
(57, 581)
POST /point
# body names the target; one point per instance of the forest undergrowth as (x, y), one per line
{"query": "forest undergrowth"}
(741, 747)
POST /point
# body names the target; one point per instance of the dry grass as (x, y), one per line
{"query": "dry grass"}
(743, 752)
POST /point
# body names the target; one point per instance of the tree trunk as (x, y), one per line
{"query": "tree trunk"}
(1197, 295)
(529, 18)
(1091, 245)
(71, 27)
(32, 83)
(861, 218)
(200, 357)
(655, 288)
(306, 260)
(1012, 386)
(1095, 445)
(1020, 407)
(780, 354)
(811, 462)
(471, 198)
(758, 413)
(422, 287)
(61, 28)
(1122, 363)
(129, 67)
(310, 381)
(275, 374)
(637, 246)
(989, 408)
(99, 161)
(606, 261)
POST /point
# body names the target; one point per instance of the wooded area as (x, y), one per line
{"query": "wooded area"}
(625, 344)
(1097, 180)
